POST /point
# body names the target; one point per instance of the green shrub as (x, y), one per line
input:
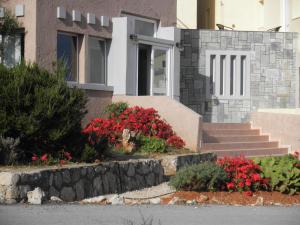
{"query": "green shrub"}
(9, 151)
(40, 109)
(115, 109)
(283, 171)
(152, 145)
(207, 176)
(89, 154)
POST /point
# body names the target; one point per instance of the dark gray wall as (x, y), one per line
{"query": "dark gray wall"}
(273, 72)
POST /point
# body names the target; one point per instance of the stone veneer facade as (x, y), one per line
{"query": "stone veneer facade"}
(75, 183)
(273, 72)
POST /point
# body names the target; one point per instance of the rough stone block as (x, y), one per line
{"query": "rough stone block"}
(36, 196)
(7, 178)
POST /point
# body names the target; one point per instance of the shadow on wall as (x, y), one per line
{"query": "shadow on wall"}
(194, 86)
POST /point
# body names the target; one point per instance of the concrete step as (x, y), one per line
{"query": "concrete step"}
(226, 126)
(230, 139)
(239, 145)
(234, 132)
(258, 152)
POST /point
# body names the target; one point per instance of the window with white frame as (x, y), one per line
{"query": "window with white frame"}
(228, 74)
(67, 54)
(143, 26)
(96, 61)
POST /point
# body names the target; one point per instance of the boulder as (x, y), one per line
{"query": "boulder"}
(36, 196)
(154, 201)
(55, 199)
(9, 179)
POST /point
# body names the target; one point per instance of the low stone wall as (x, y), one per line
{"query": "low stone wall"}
(172, 163)
(72, 184)
(76, 183)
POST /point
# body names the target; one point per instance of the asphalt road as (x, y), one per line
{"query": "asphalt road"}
(132, 215)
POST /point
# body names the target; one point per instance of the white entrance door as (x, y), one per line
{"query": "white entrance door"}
(160, 69)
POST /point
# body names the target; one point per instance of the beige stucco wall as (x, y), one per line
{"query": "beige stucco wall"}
(29, 22)
(281, 126)
(184, 121)
(187, 14)
(240, 14)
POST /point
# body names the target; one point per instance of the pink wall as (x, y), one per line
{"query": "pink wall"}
(48, 25)
(41, 24)
(283, 127)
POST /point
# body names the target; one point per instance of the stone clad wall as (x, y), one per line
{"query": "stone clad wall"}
(77, 183)
(273, 72)
(72, 184)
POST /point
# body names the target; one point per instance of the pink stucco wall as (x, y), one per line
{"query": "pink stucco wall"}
(282, 127)
(41, 24)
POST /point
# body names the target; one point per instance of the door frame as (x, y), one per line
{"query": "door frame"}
(168, 64)
(155, 45)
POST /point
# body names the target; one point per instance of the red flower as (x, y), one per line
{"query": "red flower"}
(248, 182)
(44, 157)
(154, 126)
(68, 155)
(242, 173)
(62, 162)
(143, 121)
(248, 193)
(241, 184)
(256, 177)
(230, 185)
(34, 157)
(298, 165)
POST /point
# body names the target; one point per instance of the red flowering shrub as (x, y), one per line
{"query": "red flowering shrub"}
(175, 141)
(244, 175)
(142, 121)
(47, 159)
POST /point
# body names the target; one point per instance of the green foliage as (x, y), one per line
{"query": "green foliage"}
(8, 24)
(207, 176)
(152, 144)
(89, 154)
(40, 109)
(283, 173)
(9, 151)
(115, 109)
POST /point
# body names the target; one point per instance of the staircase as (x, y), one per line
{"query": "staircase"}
(234, 139)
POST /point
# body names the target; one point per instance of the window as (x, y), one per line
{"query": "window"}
(228, 74)
(232, 73)
(212, 73)
(97, 61)
(144, 27)
(243, 72)
(13, 46)
(67, 53)
(222, 73)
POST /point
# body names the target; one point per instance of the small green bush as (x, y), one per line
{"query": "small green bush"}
(152, 145)
(9, 151)
(115, 109)
(207, 176)
(89, 154)
(283, 171)
(39, 109)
